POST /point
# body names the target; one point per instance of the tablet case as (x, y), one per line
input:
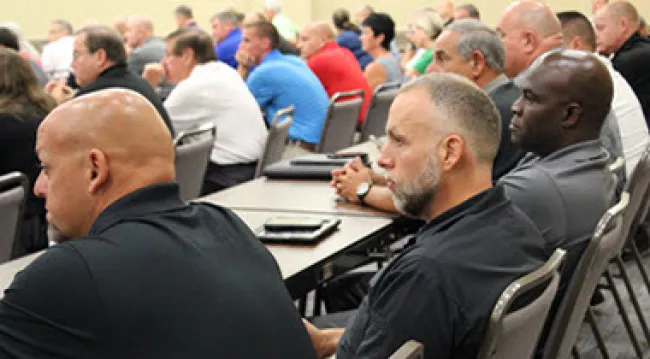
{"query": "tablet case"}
(298, 237)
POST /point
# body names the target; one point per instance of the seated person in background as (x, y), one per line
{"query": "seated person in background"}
(57, 53)
(145, 48)
(145, 275)
(285, 47)
(466, 11)
(377, 32)
(9, 40)
(333, 65)
(286, 28)
(535, 19)
(472, 49)
(208, 90)
(424, 30)
(227, 35)
(99, 63)
(185, 17)
(578, 34)
(23, 105)
(617, 35)
(278, 81)
(348, 36)
(443, 133)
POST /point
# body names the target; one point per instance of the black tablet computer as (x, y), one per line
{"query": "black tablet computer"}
(296, 230)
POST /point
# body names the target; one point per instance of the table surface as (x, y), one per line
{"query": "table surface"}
(289, 195)
(292, 259)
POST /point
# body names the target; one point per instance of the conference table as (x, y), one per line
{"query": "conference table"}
(303, 267)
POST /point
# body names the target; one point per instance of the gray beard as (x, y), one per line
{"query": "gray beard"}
(412, 204)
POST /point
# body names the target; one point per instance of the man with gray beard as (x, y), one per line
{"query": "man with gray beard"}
(443, 133)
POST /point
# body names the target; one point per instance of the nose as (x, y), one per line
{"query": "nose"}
(40, 186)
(385, 161)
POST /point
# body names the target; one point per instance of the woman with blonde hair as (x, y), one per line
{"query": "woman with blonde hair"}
(23, 105)
(424, 30)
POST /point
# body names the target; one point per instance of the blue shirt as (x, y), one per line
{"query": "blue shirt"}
(227, 48)
(350, 40)
(284, 80)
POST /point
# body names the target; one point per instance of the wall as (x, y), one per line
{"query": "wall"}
(34, 15)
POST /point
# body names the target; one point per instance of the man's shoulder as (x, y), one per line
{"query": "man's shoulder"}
(506, 92)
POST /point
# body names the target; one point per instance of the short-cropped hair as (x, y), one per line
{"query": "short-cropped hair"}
(106, 38)
(197, 40)
(467, 107)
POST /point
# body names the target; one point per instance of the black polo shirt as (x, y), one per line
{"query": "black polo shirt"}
(120, 77)
(632, 61)
(442, 290)
(155, 278)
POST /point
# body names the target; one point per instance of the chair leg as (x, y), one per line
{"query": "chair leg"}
(623, 313)
(597, 335)
(639, 263)
(317, 302)
(302, 306)
(575, 353)
(633, 298)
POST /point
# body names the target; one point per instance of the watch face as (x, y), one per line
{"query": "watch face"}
(363, 189)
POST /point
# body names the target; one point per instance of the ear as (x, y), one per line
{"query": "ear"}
(97, 170)
(450, 151)
(380, 38)
(101, 57)
(187, 54)
(572, 116)
(478, 64)
(530, 42)
(576, 43)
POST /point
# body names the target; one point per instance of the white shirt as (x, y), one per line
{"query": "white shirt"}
(631, 122)
(215, 92)
(57, 57)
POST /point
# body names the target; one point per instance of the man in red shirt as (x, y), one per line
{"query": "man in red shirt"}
(335, 66)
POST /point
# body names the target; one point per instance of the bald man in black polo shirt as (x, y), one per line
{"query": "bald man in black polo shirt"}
(443, 136)
(147, 276)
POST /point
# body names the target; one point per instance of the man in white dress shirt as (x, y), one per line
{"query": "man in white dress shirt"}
(57, 54)
(578, 34)
(208, 90)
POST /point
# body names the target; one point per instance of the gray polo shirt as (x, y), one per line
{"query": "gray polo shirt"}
(564, 193)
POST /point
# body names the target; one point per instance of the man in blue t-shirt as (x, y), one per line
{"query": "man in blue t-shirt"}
(279, 81)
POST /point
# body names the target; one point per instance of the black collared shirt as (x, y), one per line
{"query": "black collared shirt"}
(441, 290)
(155, 278)
(120, 77)
(632, 60)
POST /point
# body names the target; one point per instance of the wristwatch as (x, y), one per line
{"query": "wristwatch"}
(362, 191)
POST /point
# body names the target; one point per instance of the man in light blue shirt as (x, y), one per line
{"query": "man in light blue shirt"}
(279, 81)
(228, 35)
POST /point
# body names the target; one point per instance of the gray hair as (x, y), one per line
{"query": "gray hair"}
(477, 36)
(467, 108)
(64, 24)
(229, 16)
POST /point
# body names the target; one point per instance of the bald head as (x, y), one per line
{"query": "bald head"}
(569, 94)
(313, 37)
(96, 149)
(138, 29)
(446, 10)
(528, 28)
